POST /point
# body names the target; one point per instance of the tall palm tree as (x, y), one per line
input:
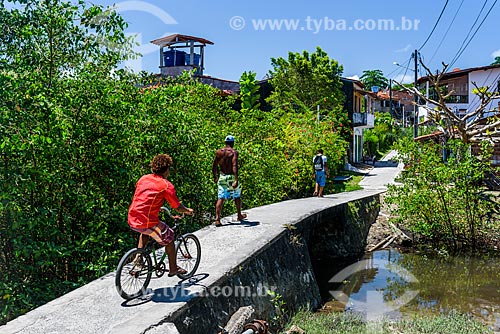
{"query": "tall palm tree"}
(497, 61)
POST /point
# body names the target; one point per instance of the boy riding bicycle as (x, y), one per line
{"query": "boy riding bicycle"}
(151, 191)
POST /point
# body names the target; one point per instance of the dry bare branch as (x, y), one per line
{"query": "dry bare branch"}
(469, 127)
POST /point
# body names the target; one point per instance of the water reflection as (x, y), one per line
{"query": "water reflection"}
(379, 283)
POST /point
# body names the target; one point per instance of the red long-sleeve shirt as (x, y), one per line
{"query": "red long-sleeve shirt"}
(151, 192)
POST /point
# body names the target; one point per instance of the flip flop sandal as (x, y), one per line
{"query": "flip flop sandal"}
(179, 271)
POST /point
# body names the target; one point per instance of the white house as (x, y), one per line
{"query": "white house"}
(462, 82)
(463, 100)
(359, 105)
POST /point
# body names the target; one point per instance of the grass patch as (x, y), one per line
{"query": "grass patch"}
(349, 323)
(351, 185)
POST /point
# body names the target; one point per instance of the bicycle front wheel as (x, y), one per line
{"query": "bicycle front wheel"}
(133, 273)
(188, 254)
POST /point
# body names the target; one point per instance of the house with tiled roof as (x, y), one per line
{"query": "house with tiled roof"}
(396, 102)
(462, 83)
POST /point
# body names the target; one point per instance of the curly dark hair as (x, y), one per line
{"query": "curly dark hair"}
(161, 163)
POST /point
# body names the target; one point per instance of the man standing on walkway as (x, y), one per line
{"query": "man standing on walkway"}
(320, 172)
(228, 186)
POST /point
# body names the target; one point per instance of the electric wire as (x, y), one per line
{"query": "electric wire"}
(388, 75)
(401, 68)
(462, 49)
(406, 70)
(435, 25)
(447, 31)
(471, 28)
(398, 68)
(476, 100)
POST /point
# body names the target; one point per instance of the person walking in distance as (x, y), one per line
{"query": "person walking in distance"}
(321, 172)
(228, 185)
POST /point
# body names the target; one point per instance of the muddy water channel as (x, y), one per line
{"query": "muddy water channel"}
(389, 283)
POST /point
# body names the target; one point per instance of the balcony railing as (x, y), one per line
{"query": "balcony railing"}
(458, 99)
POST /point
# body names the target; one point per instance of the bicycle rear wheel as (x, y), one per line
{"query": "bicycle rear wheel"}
(188, 253)
(133, 273)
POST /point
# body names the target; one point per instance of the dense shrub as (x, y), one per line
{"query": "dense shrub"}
(70, 162)
(76, 134)
(444, 202)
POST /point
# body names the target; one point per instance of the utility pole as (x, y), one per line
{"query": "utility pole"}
(403, 115)
(415, 107)
(390, 97)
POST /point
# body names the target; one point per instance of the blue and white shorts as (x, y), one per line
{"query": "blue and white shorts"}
(225, 188)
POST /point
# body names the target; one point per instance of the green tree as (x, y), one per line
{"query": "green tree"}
(249, 92)
(44, 39)
(497, 61)
(76, 133)
(380, 138)
(300, 84)
(371, 78)
(61, 117)
(304, 81)
(441, 196)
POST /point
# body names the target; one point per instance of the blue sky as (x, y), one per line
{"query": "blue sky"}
(346, 30)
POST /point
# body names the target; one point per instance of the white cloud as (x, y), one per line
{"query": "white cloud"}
(496, 54)
(405, 49)
(354, 77)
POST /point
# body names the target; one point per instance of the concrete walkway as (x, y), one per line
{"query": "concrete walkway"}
(383, 173)
(97, 307)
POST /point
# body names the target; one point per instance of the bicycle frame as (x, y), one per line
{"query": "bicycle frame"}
(153, 255)
(132, 278)
(151, 245)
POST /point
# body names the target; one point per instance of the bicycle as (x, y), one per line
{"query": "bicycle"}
(136, 267)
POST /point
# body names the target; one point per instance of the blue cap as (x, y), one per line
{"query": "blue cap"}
(229, 138)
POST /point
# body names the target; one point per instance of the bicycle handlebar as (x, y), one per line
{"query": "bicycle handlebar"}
(163, 208)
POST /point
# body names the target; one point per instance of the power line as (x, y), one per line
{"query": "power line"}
(388, 75)
(401, 68)
(406, 70)
(474, 103)
(435, 25)
(447, 31)
(398, 68)
(462, 49)
(472, 27)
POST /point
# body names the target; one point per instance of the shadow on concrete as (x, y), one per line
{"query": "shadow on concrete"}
(145, 298)
(245, 223)
(387, 163)
(173, 294)
(179, 292)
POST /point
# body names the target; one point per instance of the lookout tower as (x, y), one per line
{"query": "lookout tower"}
(180, 53)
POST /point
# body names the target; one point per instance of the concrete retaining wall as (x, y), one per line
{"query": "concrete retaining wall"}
(240, 263)
(284, 266)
